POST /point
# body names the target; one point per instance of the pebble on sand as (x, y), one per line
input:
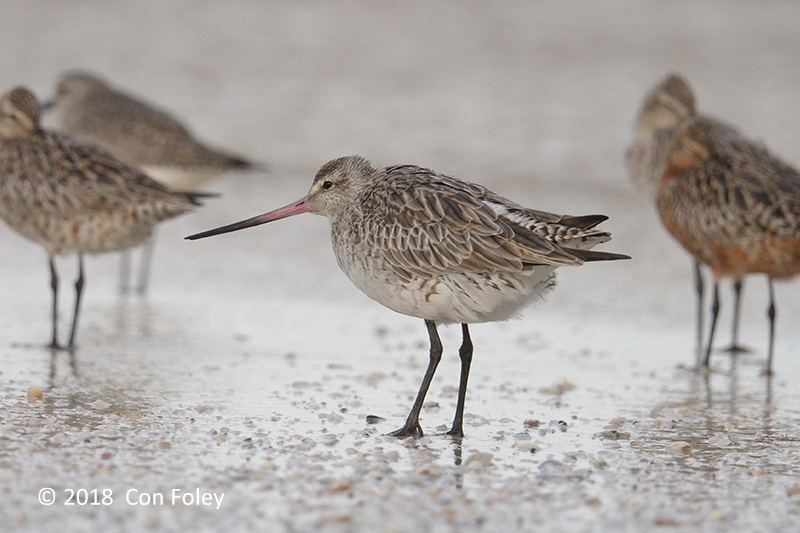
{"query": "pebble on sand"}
(34, 394)
(558, 387)
(679, 448)
(478, 460)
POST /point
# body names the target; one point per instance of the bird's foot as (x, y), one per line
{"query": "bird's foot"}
(456, 432)
(408, 430)
(56, 346)
(766, 371)
(737, 348)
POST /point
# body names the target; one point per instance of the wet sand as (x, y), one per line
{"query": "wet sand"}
(250, 368)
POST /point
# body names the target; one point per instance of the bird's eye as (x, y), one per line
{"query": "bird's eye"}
(327, 185)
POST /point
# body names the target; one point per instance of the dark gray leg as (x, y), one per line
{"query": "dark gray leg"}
(465, 352)
(698, 285)
(714, 313)
(78, 294)
(412, 427)
(737, 295)
(771, 315)
(54, 286)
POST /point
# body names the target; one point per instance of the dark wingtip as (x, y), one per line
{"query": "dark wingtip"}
(583, 221)
(197, 197)
(596, 255)
(241, 163)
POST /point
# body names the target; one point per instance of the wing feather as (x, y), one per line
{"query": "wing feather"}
(743, 189)
(71, 180)
(440, 225)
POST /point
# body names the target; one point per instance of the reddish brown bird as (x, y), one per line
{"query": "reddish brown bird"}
(665, 109)
(734, 206)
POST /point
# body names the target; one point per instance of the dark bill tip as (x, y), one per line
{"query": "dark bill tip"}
(300, 206)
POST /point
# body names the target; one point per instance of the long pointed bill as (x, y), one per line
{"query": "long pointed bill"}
(300, 206)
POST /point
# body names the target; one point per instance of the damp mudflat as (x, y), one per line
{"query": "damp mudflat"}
(253, 386)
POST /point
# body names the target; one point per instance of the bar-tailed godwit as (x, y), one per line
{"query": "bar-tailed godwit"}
(140, 134)
(72, 198)
(734, 206)
(664, 109)
(434, 247)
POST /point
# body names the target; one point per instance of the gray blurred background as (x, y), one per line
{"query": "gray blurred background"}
(535, 100)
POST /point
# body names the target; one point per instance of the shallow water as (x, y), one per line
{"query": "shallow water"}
(252, 365)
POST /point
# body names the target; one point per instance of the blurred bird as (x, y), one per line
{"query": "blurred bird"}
(734, 206)
(665, 108)
(141, 135)
(72, 198)
(434, 247)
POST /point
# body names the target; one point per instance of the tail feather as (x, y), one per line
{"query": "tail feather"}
(197, 197)
(235, 162)
(582, 221)
(596, 255)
